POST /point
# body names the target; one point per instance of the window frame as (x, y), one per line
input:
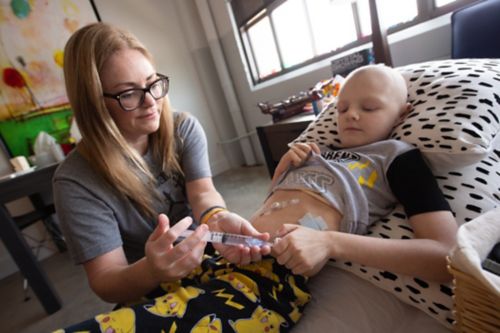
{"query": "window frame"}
(426, 11)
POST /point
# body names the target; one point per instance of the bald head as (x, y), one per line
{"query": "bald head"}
(389, 80)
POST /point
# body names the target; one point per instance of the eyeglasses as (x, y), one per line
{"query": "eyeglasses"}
(132, 99)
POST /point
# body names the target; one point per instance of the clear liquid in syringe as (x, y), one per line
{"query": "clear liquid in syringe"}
(228, 239)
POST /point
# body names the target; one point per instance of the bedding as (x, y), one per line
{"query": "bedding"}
(454, 121)
(344, 303)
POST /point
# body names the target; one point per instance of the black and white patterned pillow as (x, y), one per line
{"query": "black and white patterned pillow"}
(454, 122)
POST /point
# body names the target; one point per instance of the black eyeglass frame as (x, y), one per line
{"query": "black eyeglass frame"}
(118, 95)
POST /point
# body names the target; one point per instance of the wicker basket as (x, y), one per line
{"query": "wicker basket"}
(476, 309)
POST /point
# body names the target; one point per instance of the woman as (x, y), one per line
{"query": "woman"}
(136, 159)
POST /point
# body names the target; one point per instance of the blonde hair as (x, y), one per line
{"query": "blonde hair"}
(102, 144)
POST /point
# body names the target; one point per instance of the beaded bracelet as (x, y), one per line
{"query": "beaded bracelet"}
(209, 212)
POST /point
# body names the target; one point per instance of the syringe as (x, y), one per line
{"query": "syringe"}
(227, 238)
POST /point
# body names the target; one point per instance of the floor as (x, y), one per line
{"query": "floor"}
(243, 189)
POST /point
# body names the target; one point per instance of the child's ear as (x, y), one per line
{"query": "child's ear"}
(405, 110)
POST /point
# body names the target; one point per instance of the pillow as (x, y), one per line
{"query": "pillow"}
(454, 122)
(452, 112)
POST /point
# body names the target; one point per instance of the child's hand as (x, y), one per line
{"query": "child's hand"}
(233, 223)
(302, 250)
(296, 156)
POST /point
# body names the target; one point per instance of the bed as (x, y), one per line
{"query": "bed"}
(454, 121)
(343, 302)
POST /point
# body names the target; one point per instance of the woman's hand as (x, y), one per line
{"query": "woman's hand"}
(233, 223)
(168, 262)
(302, 250)
(296, 156)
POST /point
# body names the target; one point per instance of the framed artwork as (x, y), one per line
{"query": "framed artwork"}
(32, 93)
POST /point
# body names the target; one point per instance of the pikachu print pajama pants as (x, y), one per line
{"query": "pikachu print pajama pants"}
(216, 297)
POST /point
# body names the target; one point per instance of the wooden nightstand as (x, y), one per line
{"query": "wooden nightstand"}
(274, 137)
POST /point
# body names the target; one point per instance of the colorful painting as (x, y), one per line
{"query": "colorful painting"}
(32, 38)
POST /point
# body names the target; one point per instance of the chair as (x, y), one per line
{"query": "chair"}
(43, 211)
(475, 30)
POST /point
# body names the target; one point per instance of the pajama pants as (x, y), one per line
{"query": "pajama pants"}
(216, 297)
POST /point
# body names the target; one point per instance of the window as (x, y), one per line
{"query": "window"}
(392, 13)
(328, 15)
(264, 48)
(441, 3)
(280, 36)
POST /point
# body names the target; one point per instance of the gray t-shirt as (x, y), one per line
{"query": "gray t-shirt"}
(354, 181)
(96, 220)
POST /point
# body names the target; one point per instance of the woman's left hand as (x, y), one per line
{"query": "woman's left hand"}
(302, 250)
(233, 223)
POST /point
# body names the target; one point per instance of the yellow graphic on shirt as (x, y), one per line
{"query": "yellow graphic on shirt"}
(358, 165)
(119, 321)
(174, 304)
(372, 178)
(229, 298)
(208, 324)
(262, 320)
(243, 284)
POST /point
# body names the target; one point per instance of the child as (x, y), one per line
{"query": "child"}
(348, 189)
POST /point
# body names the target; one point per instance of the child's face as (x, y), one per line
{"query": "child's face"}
(369, 105)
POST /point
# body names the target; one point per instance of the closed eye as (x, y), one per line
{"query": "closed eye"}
(368, 109)
(342, 109)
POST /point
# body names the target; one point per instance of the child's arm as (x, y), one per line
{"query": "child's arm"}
(296, 155)
(305, 251)
(424, 256)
